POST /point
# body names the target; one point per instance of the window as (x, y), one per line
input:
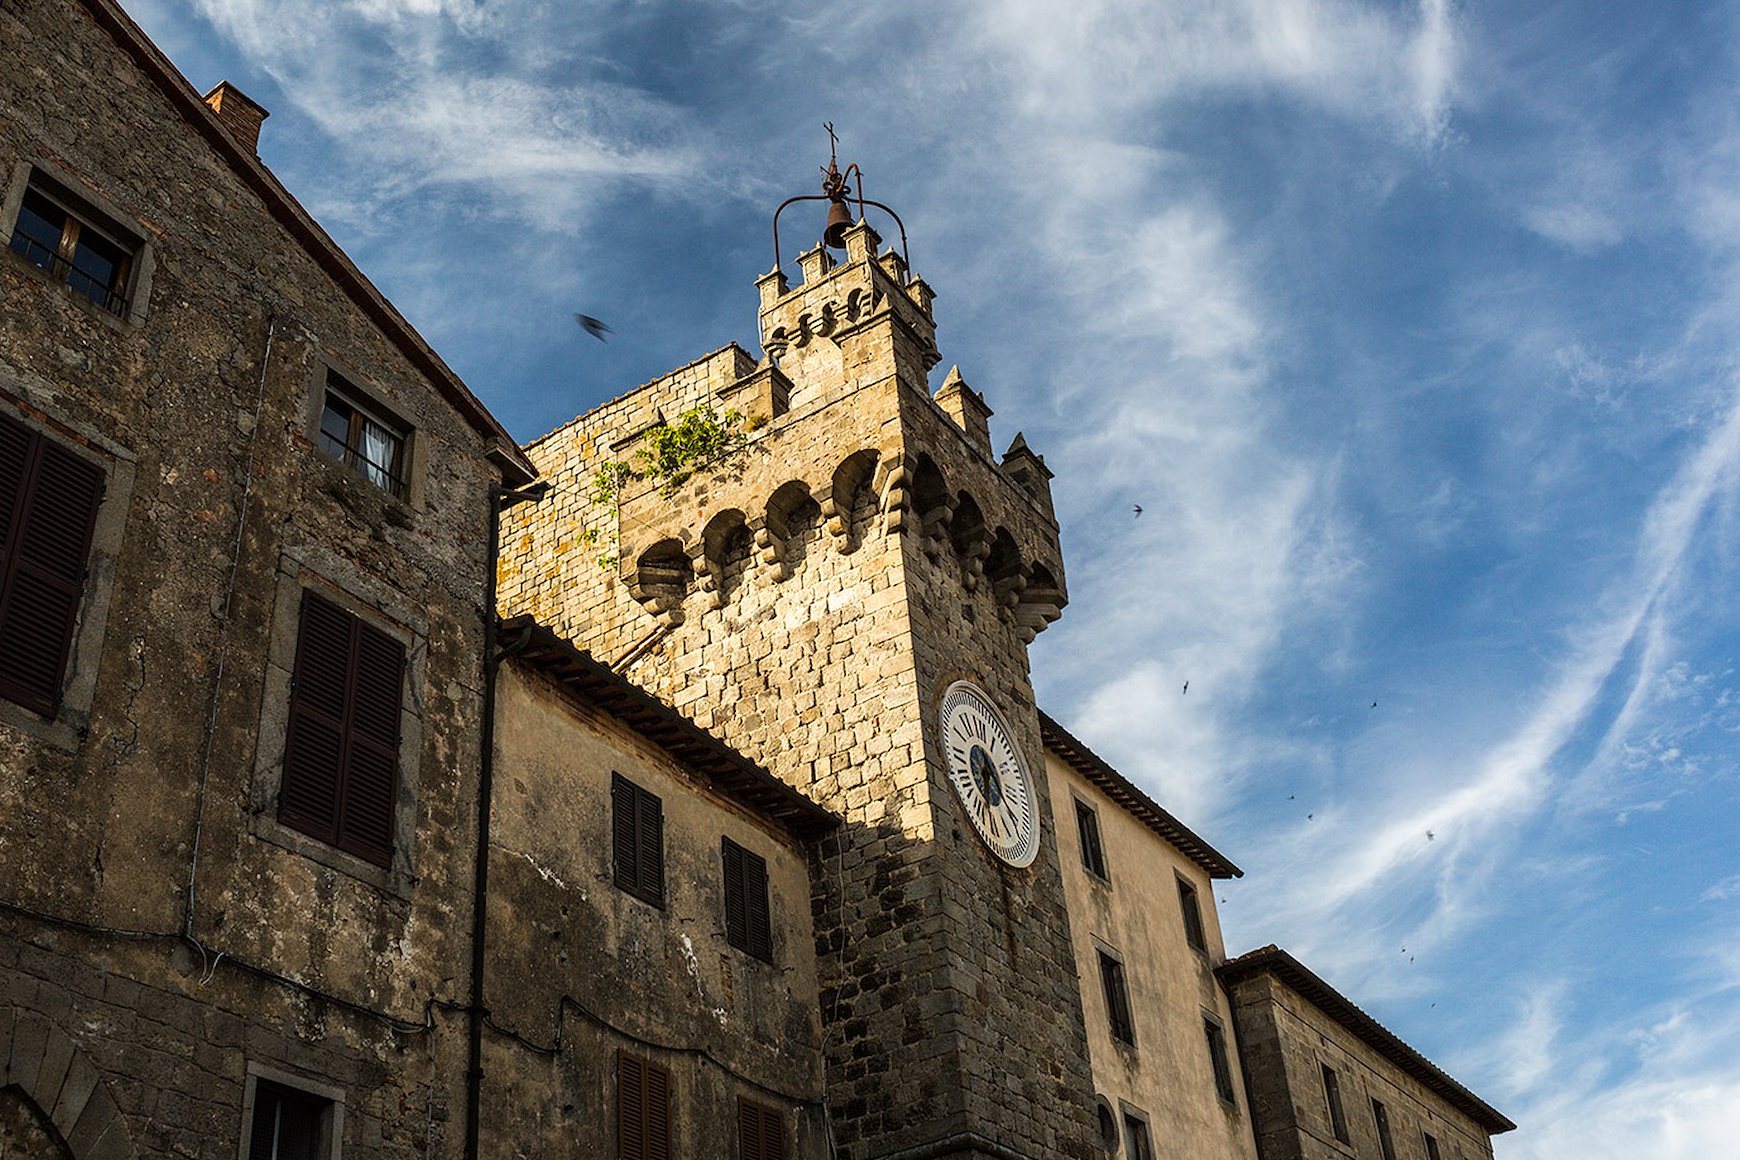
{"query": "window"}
(289, 1124)
(372, 447)
(48, 508)
(637, 825)
(1332, 1096)
(643, 1109)
(760, 1132)
(1108, 1126)
(1432, 1152)
(341, 753)
(1093, 855)
(54, 234)
(1217, 1058)
(746, 914)
(1138, 1146)
(1381, 1116)
(1192, 912)
(1117, 999)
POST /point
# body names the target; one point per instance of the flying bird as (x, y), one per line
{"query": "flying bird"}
(1430, 835)
(1308, 817)
(1137, 508)
(1186, 688)
(593, 326)
(1374, 704)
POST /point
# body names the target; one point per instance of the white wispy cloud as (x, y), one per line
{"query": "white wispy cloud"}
(446, 94)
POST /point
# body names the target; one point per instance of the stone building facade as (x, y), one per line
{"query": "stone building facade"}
(1328, 1081)
(334, 823)
(236, 480)
(1140, 890)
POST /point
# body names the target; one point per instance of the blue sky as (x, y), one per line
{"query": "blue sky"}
(1412, 327)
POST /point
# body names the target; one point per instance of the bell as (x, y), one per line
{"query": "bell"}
(839, 221)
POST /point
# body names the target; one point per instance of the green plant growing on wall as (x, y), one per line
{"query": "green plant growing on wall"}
(670, 454)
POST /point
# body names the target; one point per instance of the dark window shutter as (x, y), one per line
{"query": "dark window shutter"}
(630, 1108)
(651, 855)
(748, 1131)
(1192, 911)
(371, 771)
(624, 847)
(736, 905)
(755, 888)
(772, 1134)
(1117, 999)
(48, 509)
(658, 1113)
(748, 925)
(760, 1132)
(341, 754)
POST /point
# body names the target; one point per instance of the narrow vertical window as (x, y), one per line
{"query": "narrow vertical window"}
(760, 1132)
(643, 1109)
(288, 1124)
(1217, 1058)
(1192, 912)
(48, 509)
(747, 922)
(341, 753)
(637, 824)
(1093, 854)
(1138, 1146)
(1432, 1152)
(1332, 1097)
(1381, 1117)
(1117, 999)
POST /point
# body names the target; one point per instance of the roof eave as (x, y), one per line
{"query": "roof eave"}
(1139, 805)
(288, 212)
(1306, 983)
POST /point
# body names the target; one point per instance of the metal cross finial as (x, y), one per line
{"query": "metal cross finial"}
(833, 142)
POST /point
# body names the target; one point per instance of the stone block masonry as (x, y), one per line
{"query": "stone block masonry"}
(808, 600)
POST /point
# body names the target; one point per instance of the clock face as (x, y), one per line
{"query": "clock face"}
(988, 773)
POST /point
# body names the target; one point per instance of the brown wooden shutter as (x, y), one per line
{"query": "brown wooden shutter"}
(748, 1131)
(630, 1108)
(772, 1134)
(755, 890)
(736, 906)
(48, 508)
(623, 830)
(372, 760)
(341, 754)
(760, 1132)
(651, 854)
(658, 1113)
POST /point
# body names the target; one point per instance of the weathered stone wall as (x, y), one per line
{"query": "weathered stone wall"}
(809, 601)
(202, 406)
(1286, 1041)
(576, 960)
(1134, 913)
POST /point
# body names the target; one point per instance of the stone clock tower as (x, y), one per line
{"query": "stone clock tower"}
(848, 600)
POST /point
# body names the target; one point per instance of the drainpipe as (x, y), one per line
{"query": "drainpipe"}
(500, 499)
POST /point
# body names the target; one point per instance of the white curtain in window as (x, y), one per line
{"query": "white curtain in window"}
(377, 453)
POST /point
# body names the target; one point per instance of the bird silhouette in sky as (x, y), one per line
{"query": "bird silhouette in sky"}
(593, 326)
(1137, 508)
(1374, 704)
(1186, 688)
(1430, 835)
(1308, 817)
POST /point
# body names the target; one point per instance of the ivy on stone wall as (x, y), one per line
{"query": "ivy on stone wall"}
(669, 454)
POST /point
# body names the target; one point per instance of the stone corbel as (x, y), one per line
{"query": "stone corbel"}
(770, 538)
